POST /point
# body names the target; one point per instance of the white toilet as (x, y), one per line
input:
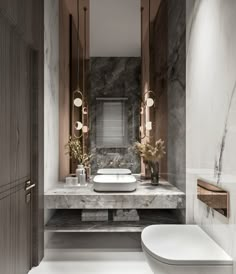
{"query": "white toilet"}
(183, 249)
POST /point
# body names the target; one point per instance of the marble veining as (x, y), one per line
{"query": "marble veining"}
(51, 96)
(146, 196)
(211, 109)
(115, 77)
(176, 90)
(168, 81)
(51, 92)
(66, 220)
(219, 161)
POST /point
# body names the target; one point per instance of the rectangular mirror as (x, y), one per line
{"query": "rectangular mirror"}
(114, 82)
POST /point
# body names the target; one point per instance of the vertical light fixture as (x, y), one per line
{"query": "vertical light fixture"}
(79, 126)
(147, 102)
(77, 103)
(80, 108)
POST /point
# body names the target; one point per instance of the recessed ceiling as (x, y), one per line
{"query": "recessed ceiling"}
(115, 28)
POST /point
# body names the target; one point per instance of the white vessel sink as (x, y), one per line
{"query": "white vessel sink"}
(114, 183)
(110, 171)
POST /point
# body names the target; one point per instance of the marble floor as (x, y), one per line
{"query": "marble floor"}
(74, 261)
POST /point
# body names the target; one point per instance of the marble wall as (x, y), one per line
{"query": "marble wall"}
(176, 93)
(115, 77)
(211, 109)
(51, 95)
(51, 91)
(158, 74)
(168, 77)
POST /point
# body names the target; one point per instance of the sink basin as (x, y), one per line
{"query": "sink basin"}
(111, 171)
(114, 183)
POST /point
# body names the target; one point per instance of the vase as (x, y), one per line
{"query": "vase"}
(154, 170)
(80, 174)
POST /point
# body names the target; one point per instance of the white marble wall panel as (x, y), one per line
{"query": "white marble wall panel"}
(51, 91)
(211, 109)
(51, 97)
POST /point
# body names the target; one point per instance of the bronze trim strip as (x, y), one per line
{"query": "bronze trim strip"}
(213, 196)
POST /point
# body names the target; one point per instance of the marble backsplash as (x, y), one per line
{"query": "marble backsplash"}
(168, 81)
(115, 77)
(211, 109)
(176, 93)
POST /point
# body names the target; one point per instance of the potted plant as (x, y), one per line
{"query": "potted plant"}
(151, 155)
(75, 152)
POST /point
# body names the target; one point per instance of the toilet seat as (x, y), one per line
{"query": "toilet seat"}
(183, 245)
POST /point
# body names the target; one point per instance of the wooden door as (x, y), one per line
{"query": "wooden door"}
(18, 126)
(15, 152)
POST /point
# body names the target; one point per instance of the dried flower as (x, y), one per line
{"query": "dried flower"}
(150, 152)
(75, 151)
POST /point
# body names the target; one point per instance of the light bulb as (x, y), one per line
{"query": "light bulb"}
(149, 125)
(85, 110)
(78, 102)
(149, 102)
(78, 125)
(85, 129)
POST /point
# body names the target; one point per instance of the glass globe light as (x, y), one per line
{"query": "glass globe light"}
(85, 129)
(78, 125)
(149, 102)
(78, 102)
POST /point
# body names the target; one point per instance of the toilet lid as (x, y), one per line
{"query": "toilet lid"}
(183, 245)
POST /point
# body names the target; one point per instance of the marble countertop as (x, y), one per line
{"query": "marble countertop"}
(146, 196)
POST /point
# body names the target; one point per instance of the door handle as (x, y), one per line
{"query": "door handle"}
(28, 186)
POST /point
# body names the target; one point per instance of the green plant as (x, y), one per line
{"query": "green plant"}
(75, 152)
(149, 152)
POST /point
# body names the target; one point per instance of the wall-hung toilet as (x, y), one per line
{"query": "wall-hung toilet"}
(183, 249)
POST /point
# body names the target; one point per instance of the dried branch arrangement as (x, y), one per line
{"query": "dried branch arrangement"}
(75, 151)
(149, 152)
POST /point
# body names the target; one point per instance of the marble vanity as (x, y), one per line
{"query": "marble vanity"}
(155, 204)
(146, 196)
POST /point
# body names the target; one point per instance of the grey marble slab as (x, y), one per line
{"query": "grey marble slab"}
(176, 92)
(146, 196)
(115, 77)
(70, 221)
